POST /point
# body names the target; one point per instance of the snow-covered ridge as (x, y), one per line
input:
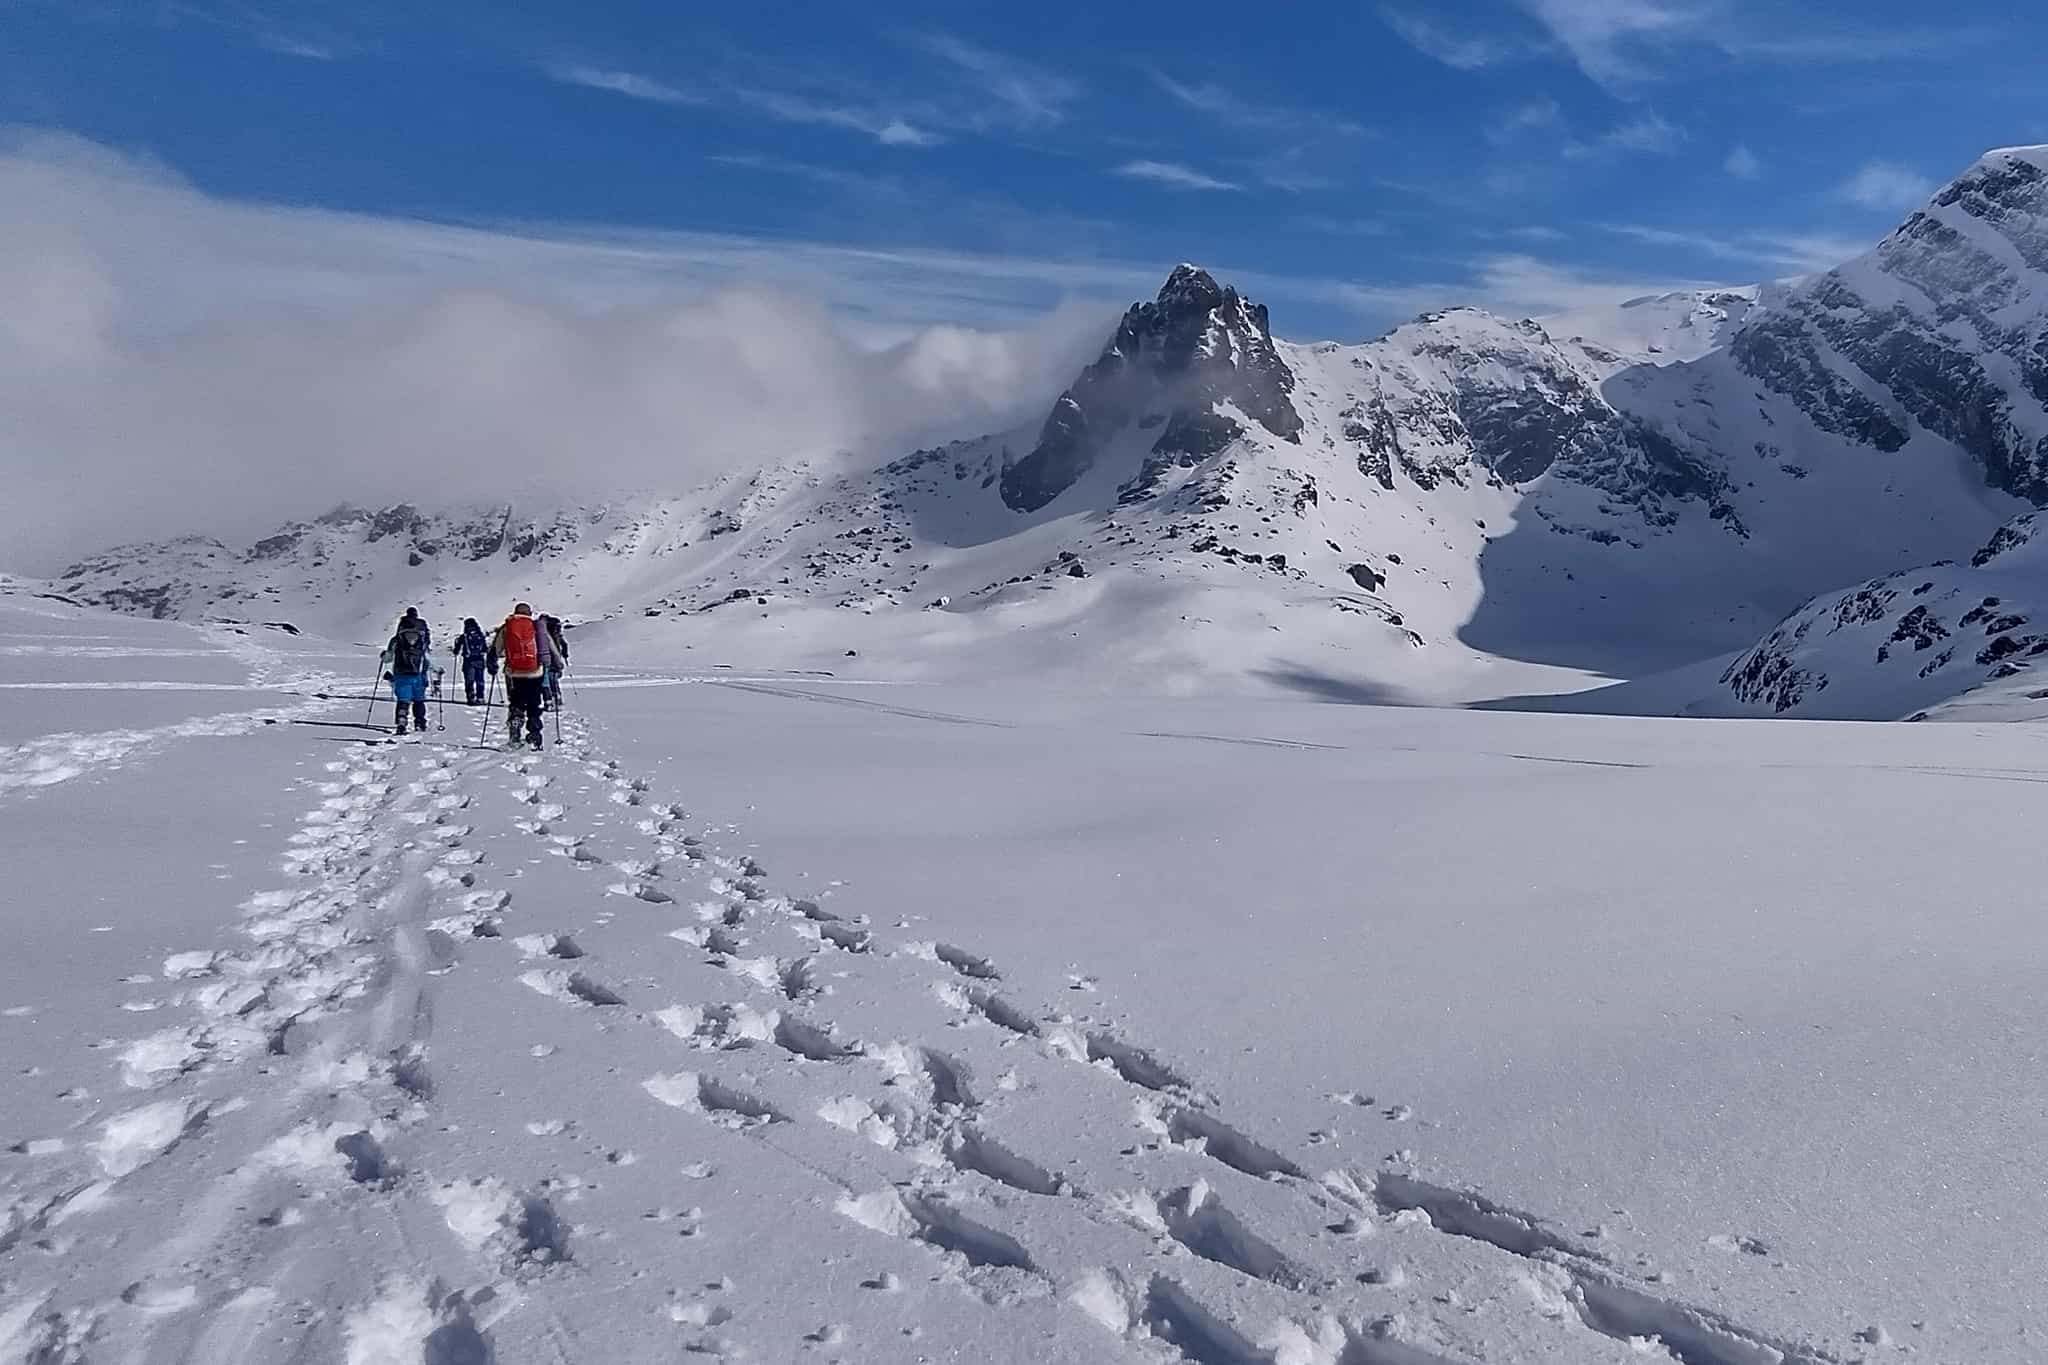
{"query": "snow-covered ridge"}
(1612, 492)
(1659, 329)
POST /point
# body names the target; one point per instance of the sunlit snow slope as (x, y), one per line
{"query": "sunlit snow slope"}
(1469, 506)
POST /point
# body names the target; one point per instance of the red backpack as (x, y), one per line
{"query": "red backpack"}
(522, 650)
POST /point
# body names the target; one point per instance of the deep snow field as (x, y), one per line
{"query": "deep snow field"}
(767, 1018)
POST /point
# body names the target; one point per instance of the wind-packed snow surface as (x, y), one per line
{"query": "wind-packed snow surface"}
(771, 1019)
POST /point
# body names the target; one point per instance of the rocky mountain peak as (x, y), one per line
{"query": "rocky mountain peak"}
(1190, 287)
(1942, 328)
(1170, 364)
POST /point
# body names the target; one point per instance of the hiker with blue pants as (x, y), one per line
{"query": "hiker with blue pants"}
(551, 684)
(406, 660)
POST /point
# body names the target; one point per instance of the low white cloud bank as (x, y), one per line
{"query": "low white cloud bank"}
(172, 362)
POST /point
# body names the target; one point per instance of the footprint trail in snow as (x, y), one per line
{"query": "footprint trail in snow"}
(519, 1062)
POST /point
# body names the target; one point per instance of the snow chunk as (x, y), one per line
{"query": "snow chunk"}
(130, 1141)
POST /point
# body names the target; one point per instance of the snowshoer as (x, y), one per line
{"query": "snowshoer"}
(474, 649)
(523, 644)
(552, 684)
(406, 660)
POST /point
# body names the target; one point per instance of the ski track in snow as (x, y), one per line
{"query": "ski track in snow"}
(1166, 1223)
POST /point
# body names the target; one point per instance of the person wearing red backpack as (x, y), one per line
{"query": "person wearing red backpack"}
(523, 645)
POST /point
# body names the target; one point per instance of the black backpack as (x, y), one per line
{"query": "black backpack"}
(409, 650)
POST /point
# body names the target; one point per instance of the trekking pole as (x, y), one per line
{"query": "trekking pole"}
(488, 695)
(441, 696)
(370, 712)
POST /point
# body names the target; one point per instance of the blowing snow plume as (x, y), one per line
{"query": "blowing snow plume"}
(173, 362)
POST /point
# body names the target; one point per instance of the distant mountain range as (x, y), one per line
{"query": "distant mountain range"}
(1469, 506)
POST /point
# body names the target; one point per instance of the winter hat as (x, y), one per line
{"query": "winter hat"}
(522, 610)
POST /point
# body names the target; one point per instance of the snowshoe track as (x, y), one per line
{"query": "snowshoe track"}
(890, 1077)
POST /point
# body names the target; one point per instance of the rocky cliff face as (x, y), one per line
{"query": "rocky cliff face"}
(1463, 395)
(1171, 364)
(1944, 325)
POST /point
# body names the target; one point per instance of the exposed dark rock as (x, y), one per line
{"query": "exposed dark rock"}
(1921, 627)
(283, 543)
(403, 519)
(1190, 437)
(1981, 612)
(2010, 536)
(1196, 345)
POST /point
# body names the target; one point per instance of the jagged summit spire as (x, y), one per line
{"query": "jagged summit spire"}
(1190, 284)
(1174, 359)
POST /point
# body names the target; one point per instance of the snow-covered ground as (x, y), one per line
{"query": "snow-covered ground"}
(776, 1019)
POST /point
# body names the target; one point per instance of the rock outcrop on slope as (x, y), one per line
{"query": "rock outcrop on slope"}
(1894, 646)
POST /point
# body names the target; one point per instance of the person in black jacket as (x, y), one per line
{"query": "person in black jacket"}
(406, 660)
(552, 684)
(473, 648)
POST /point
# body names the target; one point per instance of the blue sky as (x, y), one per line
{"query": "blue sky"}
(1352, 163)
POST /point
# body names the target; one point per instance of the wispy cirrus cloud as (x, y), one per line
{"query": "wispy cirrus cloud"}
(1227, 106)
(1029, 96)
(1296, 181)
(628, 83)
(1647, 133)
(1849, 47)
(1742, 163)
(1886, 186)
(883, 125)
(1614, 42)
(789, 168)
(891, 130)
(1524, 118)
(1620, 42)
(292, 45)
(1173, 175)
(1799, 253)
(1460, 52)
